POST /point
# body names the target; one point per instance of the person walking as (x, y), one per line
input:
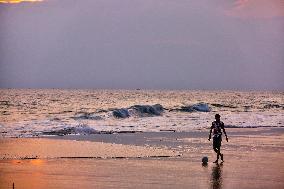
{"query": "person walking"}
(217, 127)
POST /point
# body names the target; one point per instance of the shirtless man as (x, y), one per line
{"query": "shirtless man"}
(217, 136)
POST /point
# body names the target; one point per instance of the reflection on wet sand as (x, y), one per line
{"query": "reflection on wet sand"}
(216, 176)
(23, 174)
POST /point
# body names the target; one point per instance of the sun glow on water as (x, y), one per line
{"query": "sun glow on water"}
(19, 1)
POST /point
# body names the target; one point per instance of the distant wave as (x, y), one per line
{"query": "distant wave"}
(86, 115)
(270, 106)
(139, 110)
(200, 107)
(121, 113)
(80, 129)
(223, 105)
(156, 109)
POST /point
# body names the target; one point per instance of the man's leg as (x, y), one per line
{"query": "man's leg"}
(216, 147)
(222, 156)
(217, 150)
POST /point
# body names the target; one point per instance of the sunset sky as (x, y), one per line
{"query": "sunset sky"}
(155, 44)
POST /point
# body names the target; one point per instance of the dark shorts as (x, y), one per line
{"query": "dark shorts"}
(217, 141)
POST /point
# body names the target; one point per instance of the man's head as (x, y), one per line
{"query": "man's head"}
(217, 117)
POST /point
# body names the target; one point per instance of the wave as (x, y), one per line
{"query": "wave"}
(121, 113)
(143, 110)
(83, 130)
(139, 110)
(157, 110)
(223, 105)
(270, 106)
(86, 115)
(200, 107)
(80, 129)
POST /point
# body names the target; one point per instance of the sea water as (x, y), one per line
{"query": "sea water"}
(36, 112)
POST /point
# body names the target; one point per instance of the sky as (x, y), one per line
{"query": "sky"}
(148, 44)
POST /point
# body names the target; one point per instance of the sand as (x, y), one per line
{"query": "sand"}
(253, 159)
(42, 148)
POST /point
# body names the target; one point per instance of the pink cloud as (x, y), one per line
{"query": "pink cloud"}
(257, 8)
(18, 1)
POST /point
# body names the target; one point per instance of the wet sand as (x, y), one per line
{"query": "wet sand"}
(253, 159)
(42, 148)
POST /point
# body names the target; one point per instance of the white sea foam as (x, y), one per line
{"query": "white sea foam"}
(33, 112)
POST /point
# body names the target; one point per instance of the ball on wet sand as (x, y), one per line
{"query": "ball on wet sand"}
(205, 159)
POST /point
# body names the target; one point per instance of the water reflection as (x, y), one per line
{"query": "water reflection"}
(25, 173)
(216, 176)
(37, 162)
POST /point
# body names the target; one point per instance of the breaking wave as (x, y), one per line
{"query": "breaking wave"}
(80, 129)
(200, 107)
(86, 115)
(139, 111)
(270, 106)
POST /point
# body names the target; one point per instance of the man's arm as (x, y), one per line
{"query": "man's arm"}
(210, 133)
(224, 131)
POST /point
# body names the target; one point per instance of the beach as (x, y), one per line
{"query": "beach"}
(59, 138)
(253, 159)
(123, 94)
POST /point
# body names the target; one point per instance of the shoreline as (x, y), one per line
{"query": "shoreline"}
(161, 140)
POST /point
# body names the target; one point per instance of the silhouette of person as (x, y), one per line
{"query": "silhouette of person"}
(217, 125)
(216, 176)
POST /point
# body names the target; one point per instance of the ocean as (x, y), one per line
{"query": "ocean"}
(38, 112)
